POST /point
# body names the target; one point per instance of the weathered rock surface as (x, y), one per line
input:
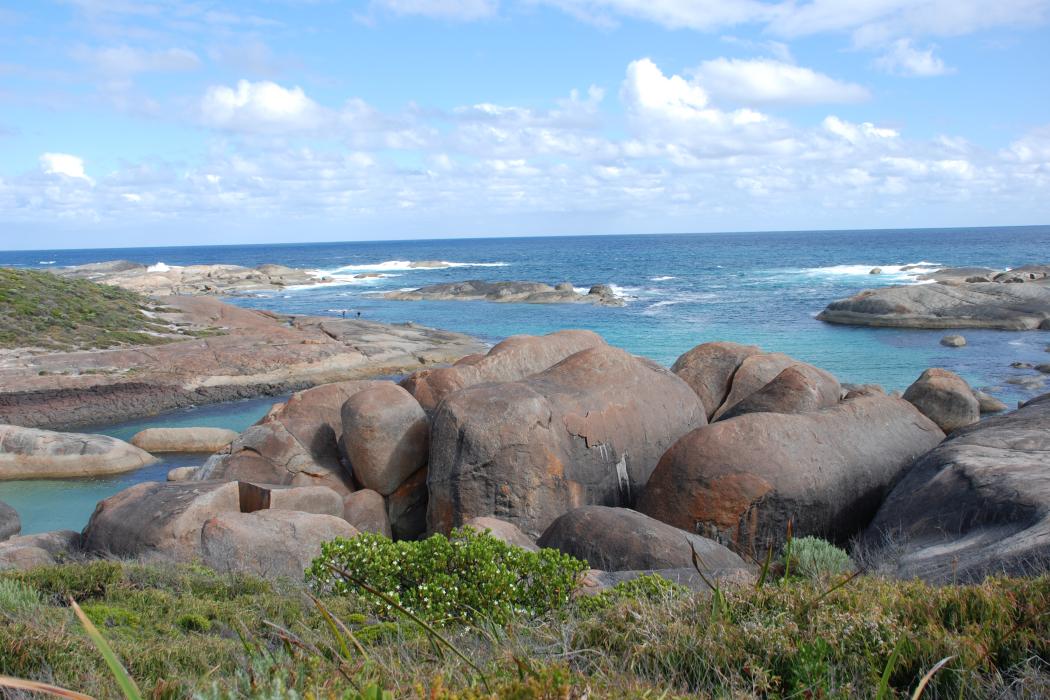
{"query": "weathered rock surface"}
(366, 511)
(10, 523)
(958, 305)
(182, 473)
(274, 544)
(988, 404)
(259, 353)
(945, 398)
(28, 453)
(521, 292)
(799, 388)
(208, 280)
(620, 539)
(589, 430)
(709, 368)
(296, 443)
(503, 531)
(515, 358)
(385, 436)
(320, 500)
(977, 505)
(43, 549)
(953, 341)
(741, 480)
(199, 440)
(158, 519)
(407, 507)
(753, 373)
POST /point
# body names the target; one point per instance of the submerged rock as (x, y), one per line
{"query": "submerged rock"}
(29, 453)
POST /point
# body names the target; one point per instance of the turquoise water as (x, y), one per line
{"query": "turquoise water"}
(66, 504)
(681, 290)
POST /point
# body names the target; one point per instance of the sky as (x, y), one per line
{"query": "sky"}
(164, 122)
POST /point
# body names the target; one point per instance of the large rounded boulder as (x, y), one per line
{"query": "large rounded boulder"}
(620, 539)
(515, 358)
(589, 430)
(742, 480)
(385, 436)
(194, 440)
(945, 398)
(296, 443)
(709, 368)
(754, 372)
(800, 388)
(977, 505)
(29, 453)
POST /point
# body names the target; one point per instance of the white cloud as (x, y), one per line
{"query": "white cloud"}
(127, 61)
(674, 14)
(260, 107)
(63, 164)
(765, 81)
(460, 10)
(902, 58)
(857, 133)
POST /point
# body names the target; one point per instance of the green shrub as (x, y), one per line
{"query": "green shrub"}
(467, 576)
(812, 557)
(650, 588)
(17, 597)
(193, 623)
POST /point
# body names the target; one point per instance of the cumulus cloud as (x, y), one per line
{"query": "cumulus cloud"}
(856, 133)
(63, 164)
(262, 106)
(901, 58)
(765, 81)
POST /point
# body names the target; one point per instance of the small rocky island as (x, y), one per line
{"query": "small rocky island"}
(1016, 299)
(521, 292)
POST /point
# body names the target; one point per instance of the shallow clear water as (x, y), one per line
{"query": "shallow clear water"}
(759, 288)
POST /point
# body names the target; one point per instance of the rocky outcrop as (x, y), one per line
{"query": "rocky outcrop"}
(977, 505)
(407, 507)
(10, 523)
(385, 436)
(306, 499)
(945, 398)
(273, 544)
(42, 549)
(951, 303)
(799, 388)
(521, 292)
(255, 353)
(296, 443)
(27, 453)
(208, 280)
(195, 440)
(709, 369)
(987, 403)
(503, 531)
(366, 511)
(740, 481)
(589, 430)
(158, 519)
(953, 341)
(620, 539)
(515, 358)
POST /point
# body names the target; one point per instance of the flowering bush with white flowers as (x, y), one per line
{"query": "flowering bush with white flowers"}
(467, 576)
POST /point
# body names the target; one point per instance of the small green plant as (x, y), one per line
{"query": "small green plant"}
(17, 598)
(814, 558)
(650, 588)
(466, 577)
(193, 623)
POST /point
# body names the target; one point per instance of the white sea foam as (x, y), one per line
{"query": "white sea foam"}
(903, 272)
(406, 265)
(159, 267)
(45, 262)
(662, 278)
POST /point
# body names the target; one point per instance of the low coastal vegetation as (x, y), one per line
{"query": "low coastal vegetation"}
(183, 630)
(70, 314)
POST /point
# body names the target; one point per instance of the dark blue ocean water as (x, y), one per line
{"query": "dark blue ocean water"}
(758, 288)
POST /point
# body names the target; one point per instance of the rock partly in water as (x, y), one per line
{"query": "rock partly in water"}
(515, 358)
(160, 520)
(385, 436)
(620, 539)
(589, 430)
(521, 292)
(28, 453)
(977, 505)
(10, 523)
(366, 511)
(953, 341)
(182, 473)
(740, 481)
(987, 403)
(945, 398)
(296, 443)
(273, 544)
(194, 440)
(503, 531)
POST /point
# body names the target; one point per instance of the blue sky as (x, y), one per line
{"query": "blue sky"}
(168, 122)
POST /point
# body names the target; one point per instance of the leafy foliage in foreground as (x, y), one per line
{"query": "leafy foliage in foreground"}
(465, 577)
(812, 557)
(789, 638)
(40, 309)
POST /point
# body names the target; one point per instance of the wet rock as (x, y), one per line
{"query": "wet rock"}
(945, 398)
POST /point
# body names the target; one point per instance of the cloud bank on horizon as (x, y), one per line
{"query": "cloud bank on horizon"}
(127, 123)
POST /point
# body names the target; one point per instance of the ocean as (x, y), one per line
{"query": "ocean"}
(681, 290)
